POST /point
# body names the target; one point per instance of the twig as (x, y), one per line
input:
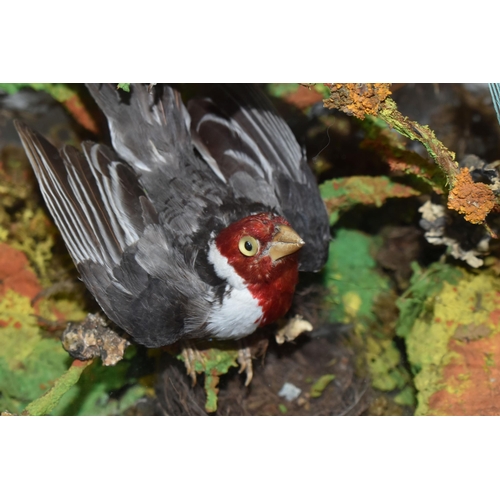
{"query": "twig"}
(445, 158)
(46, 403)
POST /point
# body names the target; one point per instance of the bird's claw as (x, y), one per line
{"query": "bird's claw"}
(245, 362)
(191, 355)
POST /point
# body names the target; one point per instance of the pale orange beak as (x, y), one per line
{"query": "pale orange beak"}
(285, 242)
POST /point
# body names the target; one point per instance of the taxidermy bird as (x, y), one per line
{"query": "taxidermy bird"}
(196, 223)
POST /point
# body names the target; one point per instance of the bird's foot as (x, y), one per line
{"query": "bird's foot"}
(191, 356)
(292, 328)
(245, 362)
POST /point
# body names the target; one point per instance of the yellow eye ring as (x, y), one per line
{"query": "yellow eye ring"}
(248, 246)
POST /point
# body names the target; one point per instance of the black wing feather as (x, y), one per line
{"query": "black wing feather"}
(114, 236)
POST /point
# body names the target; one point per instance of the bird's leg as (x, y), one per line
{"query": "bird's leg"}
(245, 361)
(191, 355)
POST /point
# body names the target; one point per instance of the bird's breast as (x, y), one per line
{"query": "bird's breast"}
(236, 316)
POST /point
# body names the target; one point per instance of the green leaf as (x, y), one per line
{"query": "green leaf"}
(124, 86)
(320, 385)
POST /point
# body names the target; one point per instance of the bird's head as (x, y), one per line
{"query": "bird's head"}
(260, 252)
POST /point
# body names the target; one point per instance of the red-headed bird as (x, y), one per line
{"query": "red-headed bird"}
(190, 226)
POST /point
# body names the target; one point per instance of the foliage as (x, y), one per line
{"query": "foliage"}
(124, 86)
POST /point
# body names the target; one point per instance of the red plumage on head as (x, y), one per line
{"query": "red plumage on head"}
(272, 283)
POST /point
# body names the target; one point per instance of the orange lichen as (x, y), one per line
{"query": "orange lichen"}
(474, 200)
(358, 99)
(472, 380)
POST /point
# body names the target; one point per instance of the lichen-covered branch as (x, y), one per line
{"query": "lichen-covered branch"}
(423, 134)
(45, 404)
(361, 99)
(474, 200)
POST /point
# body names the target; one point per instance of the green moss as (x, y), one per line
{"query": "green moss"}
(384, 360)
(354, 286)
(49, 401)
(351, 278)
(423, 134)
(29, 364)
(103, 390)
(424, 287)
(406, 397)
(34, 371)
(34, 236)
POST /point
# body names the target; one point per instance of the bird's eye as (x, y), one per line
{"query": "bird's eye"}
(248, 246)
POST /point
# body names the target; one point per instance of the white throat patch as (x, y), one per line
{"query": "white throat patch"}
(223, 269)
(239, 314)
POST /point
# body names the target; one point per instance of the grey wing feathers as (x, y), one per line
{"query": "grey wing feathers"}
(112, 232)
(150, 130)
(249, 146)
(93, 197)
(149, 127)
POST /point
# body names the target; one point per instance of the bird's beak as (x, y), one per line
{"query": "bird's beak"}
(285, 242)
